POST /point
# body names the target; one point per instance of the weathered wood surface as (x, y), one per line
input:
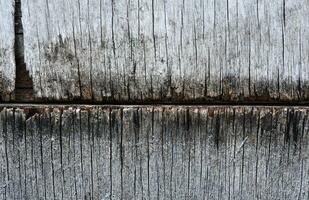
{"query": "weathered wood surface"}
(154, 153)
(7, 58)
(171, 51)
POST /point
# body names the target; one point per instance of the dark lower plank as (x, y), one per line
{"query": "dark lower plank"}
(146, 152)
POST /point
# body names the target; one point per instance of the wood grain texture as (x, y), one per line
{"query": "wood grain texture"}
(168, 51)
(7, 58)
(150, 152)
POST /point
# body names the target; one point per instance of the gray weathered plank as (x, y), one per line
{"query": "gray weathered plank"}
(7, 57)
(150, 152)
(157, 50)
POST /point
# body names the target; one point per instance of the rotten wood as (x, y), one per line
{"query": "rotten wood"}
(147, 152)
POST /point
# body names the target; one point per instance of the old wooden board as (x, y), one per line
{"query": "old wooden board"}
(150, 152)
(7, 58)
(168, 51)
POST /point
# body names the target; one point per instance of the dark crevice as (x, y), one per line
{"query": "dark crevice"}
(23, 82)
(150, 103)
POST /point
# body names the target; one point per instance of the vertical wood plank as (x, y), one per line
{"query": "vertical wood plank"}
(7, 55)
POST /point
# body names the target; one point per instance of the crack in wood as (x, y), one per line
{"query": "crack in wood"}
(23, 81)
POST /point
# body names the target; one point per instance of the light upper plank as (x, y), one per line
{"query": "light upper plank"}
(171, 51)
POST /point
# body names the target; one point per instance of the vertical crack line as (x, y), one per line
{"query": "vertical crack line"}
(23, 81)
(153, 29)
(19, 39)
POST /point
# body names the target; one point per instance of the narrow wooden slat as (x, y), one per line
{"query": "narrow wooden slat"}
(128, 155)
(7, 56)
(103, 153)
(4, 158)
(86, 154)
(79, 176)
(45, 124)
(37, 157)
(10, 153)
(116, 133)
(19, 118)
(67, 157)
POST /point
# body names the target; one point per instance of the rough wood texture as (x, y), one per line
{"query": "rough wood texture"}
(7, 58)
(154, 153)
(172, 51)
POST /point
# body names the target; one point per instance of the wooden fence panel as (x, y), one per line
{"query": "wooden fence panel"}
(168, 51)
(148, 52)
(148, 152)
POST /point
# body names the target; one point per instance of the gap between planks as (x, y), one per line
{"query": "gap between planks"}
(85, 105)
